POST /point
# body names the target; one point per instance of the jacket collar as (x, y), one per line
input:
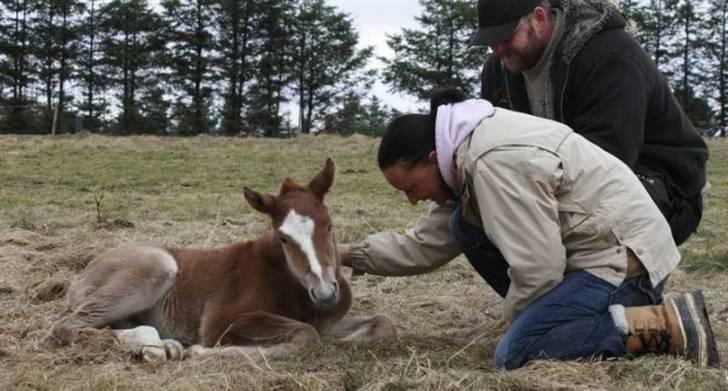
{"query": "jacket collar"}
(584, 19)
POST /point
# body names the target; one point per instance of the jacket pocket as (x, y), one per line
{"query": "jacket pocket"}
(570, 218)
(588, 231)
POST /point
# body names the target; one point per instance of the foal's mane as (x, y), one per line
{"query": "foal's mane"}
(289, 184)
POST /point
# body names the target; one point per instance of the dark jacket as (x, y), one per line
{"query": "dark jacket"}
(606, 88)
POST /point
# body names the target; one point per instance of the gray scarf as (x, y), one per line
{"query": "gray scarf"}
(584, 19)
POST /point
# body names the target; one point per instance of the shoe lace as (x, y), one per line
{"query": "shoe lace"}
(655, 341)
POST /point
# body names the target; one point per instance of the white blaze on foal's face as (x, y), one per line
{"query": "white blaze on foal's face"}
(320, 281)
(300, 229)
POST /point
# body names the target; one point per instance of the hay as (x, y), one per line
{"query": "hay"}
(6, 291)
(20, 238)
(77, 255)
(51, 289)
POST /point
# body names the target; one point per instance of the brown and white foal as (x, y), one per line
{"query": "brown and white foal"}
(262, 297)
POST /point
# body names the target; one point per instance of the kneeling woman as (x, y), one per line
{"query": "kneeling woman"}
(561, 229)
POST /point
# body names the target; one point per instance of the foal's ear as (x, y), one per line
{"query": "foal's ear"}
(259, 201)
(321, 183)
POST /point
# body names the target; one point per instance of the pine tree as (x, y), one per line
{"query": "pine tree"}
(635, 12)
(55, 26)
(437, 52)
(326, 60)
(717, 56)
(356, 116)
(686, 17)
(154, 108)
(691, 83)
(90, 77)
(655, 25)
(15, 65)
(131, 40)
(44, 22)
(238, 43)
(274, 70)
(377, 117)
(189, 55)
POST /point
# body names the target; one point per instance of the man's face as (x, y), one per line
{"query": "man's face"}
(523, 49)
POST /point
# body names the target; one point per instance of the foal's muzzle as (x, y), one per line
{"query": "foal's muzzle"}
(325, 295)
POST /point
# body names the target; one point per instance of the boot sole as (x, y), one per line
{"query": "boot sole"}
(701, 348)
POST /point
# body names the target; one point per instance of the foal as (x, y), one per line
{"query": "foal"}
(268, 296)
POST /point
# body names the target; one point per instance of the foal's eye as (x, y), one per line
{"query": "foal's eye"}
(330, 227)
(283, 239)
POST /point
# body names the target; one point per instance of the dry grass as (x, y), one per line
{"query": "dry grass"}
(63, 200)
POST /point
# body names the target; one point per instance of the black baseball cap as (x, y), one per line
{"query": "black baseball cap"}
(498, 18)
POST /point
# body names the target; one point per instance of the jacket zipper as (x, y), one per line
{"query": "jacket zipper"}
(508, 88)
(563, 92)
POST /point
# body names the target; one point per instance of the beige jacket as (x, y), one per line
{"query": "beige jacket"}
(550, 200)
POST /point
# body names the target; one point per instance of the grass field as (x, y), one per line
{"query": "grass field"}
(63, 200)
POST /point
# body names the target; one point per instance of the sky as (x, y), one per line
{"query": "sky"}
(373, 20)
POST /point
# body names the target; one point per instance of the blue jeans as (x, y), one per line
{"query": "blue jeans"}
(485, 257)
(570, 321)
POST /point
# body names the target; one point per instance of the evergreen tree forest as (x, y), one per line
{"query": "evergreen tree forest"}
(237, 67)
(178, 67)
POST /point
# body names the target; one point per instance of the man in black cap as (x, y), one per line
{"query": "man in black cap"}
(573, 62)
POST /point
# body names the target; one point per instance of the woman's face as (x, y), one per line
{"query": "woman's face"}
(419, 182)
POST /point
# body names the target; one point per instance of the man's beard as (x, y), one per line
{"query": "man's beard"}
(524, 62)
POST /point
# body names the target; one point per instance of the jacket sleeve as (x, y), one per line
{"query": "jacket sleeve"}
(423, 248)
(610, 105)
(516, 193)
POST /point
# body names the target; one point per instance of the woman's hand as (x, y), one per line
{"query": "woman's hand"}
(344, 253)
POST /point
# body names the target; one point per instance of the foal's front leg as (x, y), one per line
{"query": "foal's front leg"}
(362, 329)
(255, 334)
(145, 341)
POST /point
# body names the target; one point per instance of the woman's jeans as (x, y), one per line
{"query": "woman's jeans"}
(570, 321)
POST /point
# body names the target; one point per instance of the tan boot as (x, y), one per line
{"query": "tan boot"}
(679, 326)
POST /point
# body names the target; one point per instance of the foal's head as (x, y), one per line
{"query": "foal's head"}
(303, 228)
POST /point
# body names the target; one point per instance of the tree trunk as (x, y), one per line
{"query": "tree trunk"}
(658, 32)
(200, 118)
(686, 70)
(62, 66)
(90, 65)
(722, 69)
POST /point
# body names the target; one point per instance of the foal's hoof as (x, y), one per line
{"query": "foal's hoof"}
(196, 351)
(173, 349)
(154, 354)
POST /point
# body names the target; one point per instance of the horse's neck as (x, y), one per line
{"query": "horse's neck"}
(273, 269)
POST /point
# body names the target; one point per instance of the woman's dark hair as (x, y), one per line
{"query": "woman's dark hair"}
(445, 96)
(410, 138)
